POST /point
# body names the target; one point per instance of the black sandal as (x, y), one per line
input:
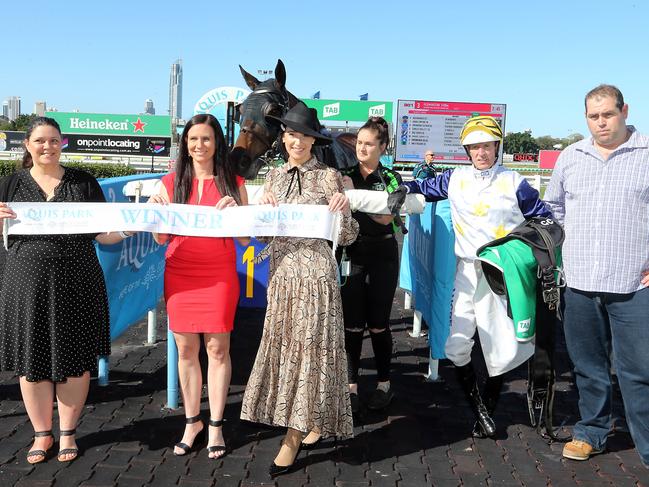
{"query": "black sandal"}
(40, 453)
(68, 451)
(199, 436)
(216, 448)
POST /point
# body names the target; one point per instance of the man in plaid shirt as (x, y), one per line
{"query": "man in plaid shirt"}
(599, 191)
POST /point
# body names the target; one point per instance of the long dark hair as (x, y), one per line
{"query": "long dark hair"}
(380, 126)
(224, 176)
(37, 122)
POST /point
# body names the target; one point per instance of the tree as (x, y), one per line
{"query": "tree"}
(547, 142)
(20, 124)
(520, 142)
(571, 139)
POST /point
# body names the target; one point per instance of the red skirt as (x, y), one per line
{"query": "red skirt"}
(201, 298)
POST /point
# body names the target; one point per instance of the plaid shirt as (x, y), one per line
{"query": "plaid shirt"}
(604, 208)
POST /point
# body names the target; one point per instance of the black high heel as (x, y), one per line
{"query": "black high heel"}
(310, 446)
(197, 439)
(217, 423)
(274, 470)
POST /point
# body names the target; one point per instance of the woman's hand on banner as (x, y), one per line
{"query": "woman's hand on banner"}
(268, 198)
(6, 212)
(159, 198)
(225, 202)
(339, 202)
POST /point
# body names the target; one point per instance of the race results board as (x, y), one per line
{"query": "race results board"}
(436, 125)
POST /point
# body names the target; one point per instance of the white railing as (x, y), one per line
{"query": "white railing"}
(537, 181)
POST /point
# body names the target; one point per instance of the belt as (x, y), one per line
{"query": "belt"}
(374, 238)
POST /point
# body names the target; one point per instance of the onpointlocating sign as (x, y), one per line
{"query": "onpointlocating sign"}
(436, 125)
(350, 110)
(12, 141)
(116, 144)
(111, 124)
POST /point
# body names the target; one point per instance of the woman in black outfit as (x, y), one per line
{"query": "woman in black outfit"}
(367, 292)
(53, 302)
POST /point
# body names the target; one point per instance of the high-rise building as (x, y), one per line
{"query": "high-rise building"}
(176, 90)
(5, 109)
(40, 107)
(13, 107)
(149, 109)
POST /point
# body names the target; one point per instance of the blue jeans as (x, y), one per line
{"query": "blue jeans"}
(596, 324)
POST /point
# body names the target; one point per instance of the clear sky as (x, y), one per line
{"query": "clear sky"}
(538, 57)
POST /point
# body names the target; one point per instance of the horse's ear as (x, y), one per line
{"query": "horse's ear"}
(280, 74)
(251, 81)
(292, 99)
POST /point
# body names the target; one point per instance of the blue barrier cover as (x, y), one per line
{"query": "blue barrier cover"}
(253, 278)
(428, 270)
(133, 269)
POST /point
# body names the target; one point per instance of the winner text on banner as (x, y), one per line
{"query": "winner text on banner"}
(308, 221)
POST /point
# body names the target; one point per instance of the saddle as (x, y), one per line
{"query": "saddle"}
(544, 236)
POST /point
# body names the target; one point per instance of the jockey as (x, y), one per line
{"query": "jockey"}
(487, 201)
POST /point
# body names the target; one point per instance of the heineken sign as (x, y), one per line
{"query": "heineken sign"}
(350, 110)
(111, 124)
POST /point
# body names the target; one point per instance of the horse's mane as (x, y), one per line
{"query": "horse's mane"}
(340, 154)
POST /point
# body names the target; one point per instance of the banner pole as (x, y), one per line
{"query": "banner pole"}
(172, 370)
(102, 371)
(416, 325)
(152, 317)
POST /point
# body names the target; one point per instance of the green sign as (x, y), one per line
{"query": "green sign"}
(350, 110)
(111, 124)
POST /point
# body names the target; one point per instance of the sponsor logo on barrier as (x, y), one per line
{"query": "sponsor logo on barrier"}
(524, 325)
(135, 250)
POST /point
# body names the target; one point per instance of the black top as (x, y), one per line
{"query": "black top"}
(382, 179)
(54, 318)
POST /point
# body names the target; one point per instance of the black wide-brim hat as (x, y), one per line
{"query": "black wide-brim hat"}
(304, 120)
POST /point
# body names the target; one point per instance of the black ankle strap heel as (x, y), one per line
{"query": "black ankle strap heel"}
(197, 439)
(217, 423)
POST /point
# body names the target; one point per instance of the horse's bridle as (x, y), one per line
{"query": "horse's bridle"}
(272, 150)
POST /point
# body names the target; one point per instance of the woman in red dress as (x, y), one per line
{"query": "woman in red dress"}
(200, 283)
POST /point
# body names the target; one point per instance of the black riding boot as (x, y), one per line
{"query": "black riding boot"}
(490, 397)
(467, 378)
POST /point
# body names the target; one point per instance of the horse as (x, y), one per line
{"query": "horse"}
(259, 141)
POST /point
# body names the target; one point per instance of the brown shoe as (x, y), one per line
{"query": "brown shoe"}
(579, 450)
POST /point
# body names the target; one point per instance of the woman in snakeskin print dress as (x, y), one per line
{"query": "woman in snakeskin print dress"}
(299, 379)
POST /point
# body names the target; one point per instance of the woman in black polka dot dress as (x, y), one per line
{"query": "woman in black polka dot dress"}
(53, 303)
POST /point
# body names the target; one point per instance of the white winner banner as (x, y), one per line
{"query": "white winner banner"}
(309, 221)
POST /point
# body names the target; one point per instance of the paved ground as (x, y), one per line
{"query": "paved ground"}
(126, 432)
